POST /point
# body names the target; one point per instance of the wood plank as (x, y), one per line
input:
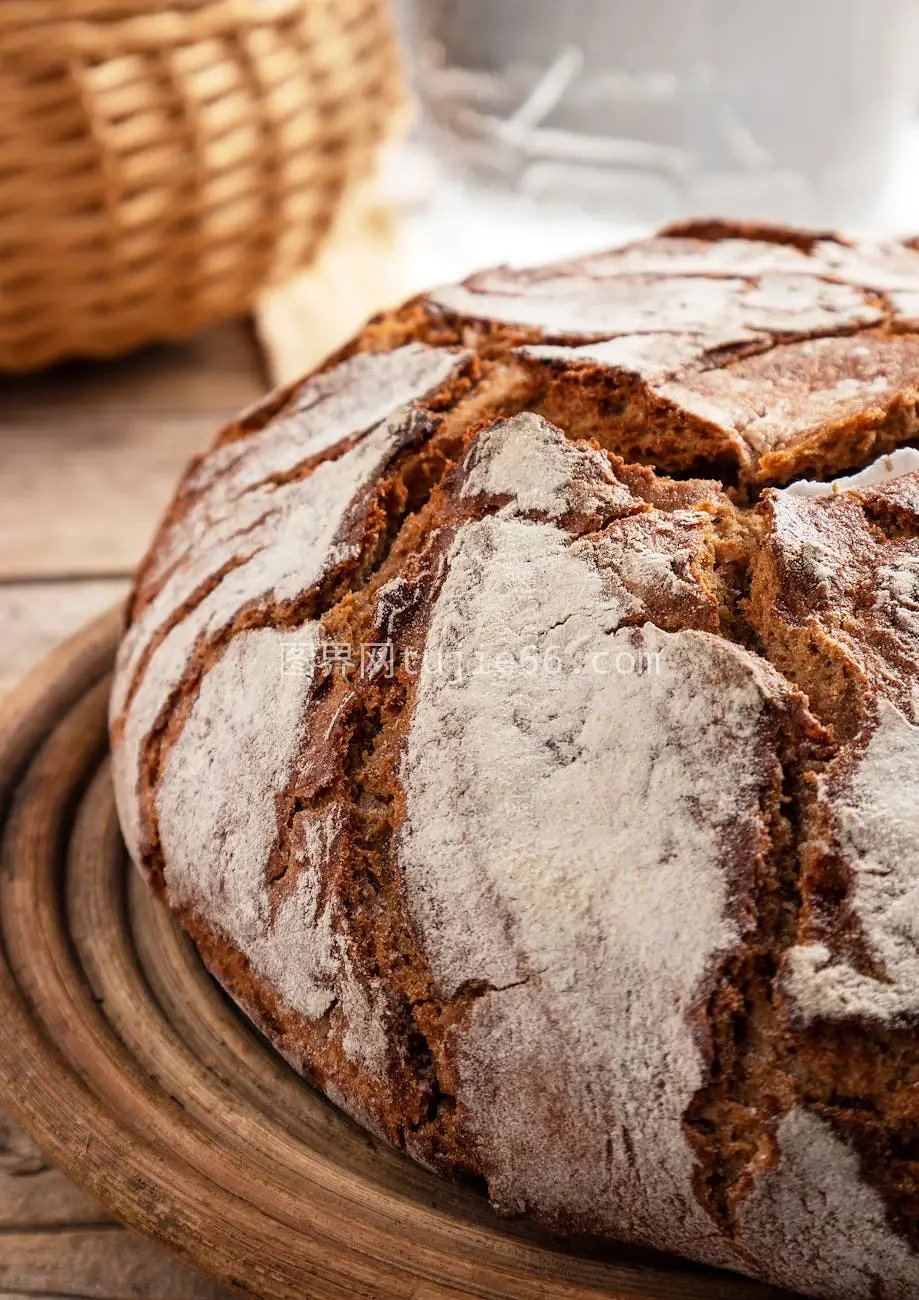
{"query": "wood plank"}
(84, 500)
(36, 617)
(219, 368)
(89, 456)
(33, 1194)
(102, 1263)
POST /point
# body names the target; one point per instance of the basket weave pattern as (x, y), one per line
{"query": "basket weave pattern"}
(162, 163)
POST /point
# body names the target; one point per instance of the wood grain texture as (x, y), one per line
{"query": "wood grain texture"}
(33, 1195)
(36, 617)
(140, 1079)
(102, 1262)
(89, 456)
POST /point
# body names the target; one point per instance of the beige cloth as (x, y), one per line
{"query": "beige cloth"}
(362, 270)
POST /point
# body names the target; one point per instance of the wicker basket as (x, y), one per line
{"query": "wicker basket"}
(160, 163)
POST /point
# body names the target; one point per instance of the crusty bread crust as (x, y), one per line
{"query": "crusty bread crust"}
(527, 732)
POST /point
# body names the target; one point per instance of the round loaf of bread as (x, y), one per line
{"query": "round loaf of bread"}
(521, 713)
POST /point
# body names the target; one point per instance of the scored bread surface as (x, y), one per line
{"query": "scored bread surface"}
(522, 715)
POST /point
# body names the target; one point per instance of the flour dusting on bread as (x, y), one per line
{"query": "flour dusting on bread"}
(521, 713)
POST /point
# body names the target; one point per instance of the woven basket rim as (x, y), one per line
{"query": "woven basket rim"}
(33, 13)
(98, 27)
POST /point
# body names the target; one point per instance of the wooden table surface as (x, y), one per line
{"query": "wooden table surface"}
(88, 458)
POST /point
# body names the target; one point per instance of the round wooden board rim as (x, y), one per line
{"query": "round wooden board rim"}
(139, 1078)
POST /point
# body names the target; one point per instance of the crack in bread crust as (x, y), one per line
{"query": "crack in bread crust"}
(718, 554)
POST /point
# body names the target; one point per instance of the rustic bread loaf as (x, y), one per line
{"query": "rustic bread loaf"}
(527, 732)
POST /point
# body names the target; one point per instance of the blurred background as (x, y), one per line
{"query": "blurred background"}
(581, 121)
(201, 198)
(539, 130)
(164, 164)
(167, 164)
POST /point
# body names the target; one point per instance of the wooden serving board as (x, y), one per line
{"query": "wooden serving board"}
(138, 1077)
